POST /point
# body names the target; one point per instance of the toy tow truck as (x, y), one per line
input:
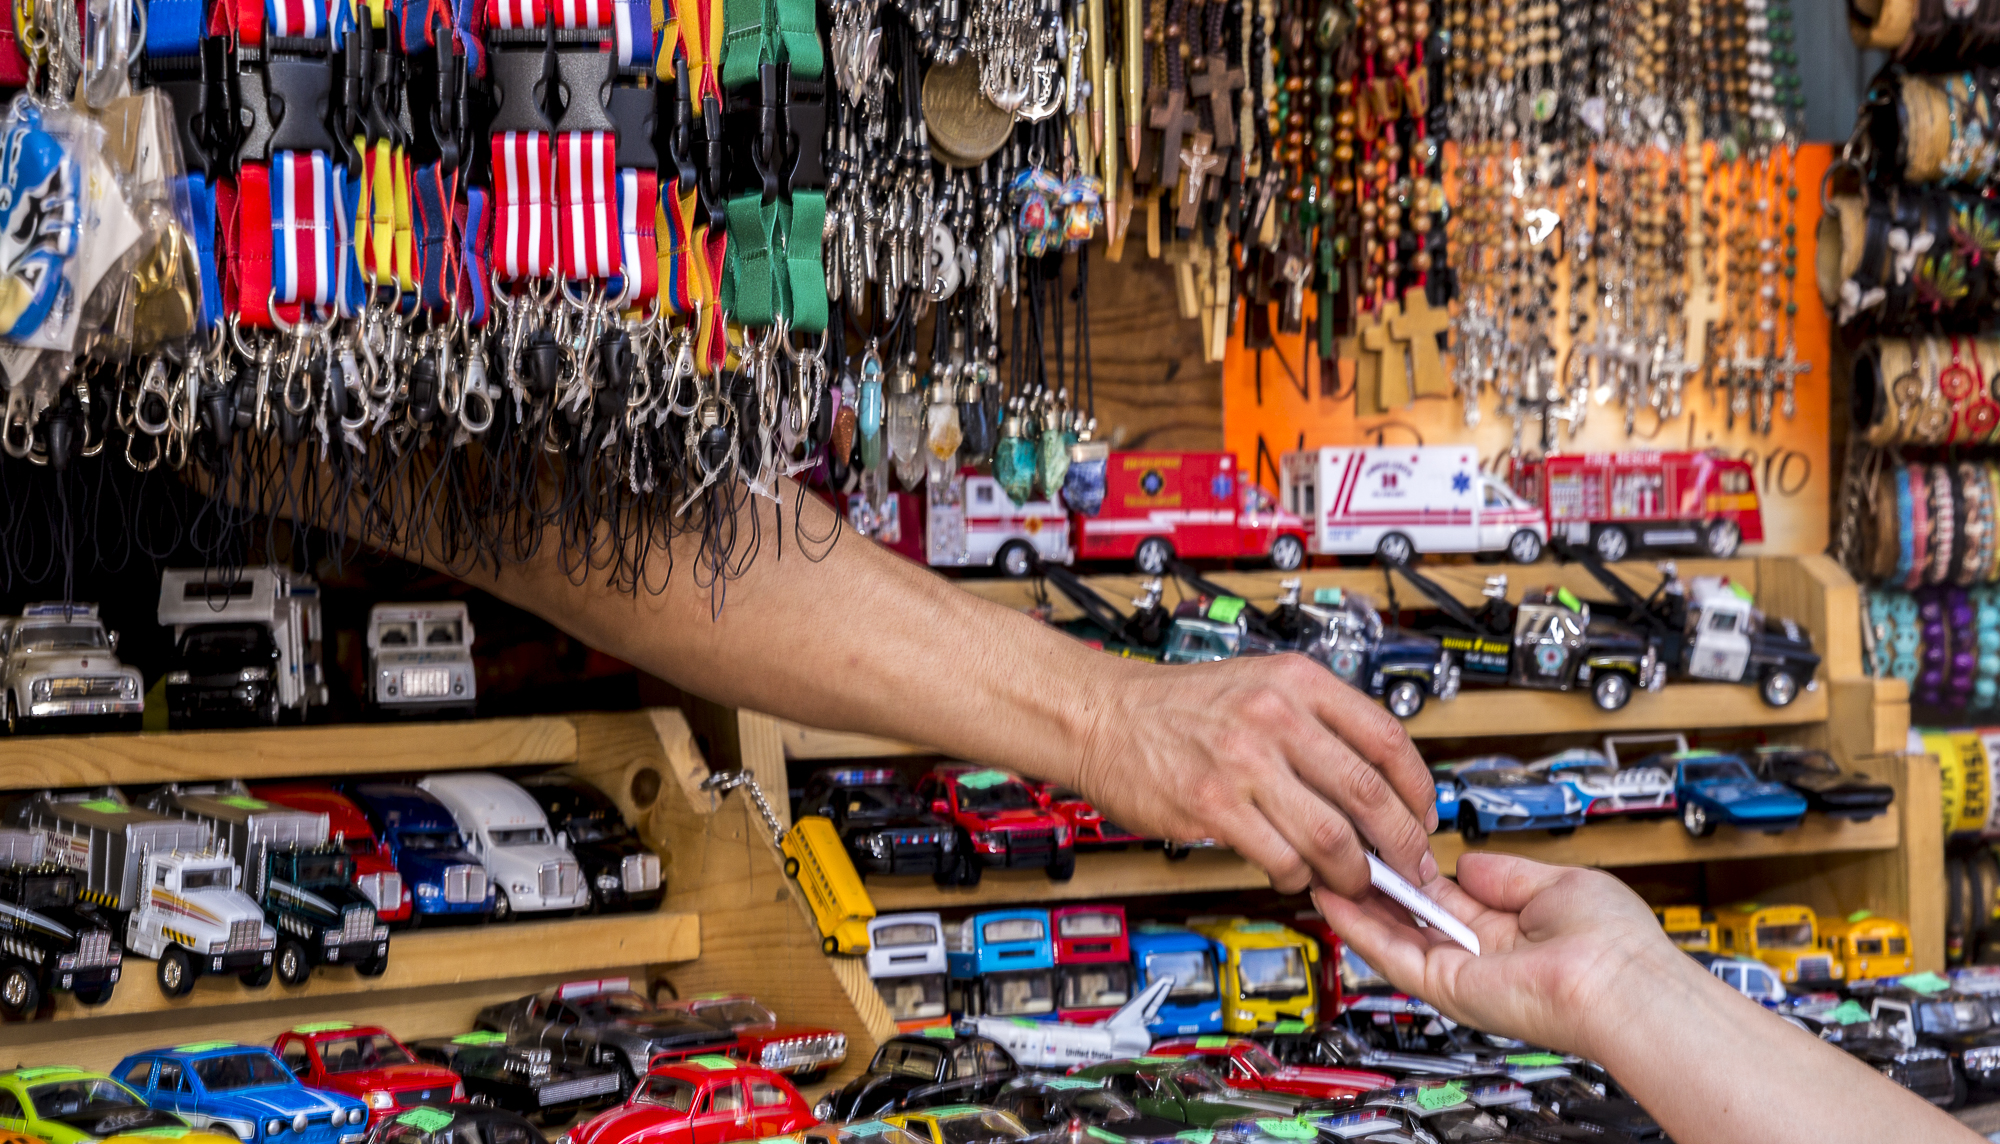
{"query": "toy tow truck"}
(1141, 635)
(521, 1078)
(304, 882)
(1547, 642)
(177, 896)
(1711, 630)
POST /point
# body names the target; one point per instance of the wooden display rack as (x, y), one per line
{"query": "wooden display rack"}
(1891, 864)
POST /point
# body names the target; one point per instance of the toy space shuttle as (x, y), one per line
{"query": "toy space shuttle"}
(1054, 1044)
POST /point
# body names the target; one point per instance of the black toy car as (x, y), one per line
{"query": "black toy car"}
(622, 872)
(1827, 789)
(602, 1022)
(1335, 1046)
(223, 674)
(1049, 1104)
(1590, 1106)
(521, 1078)
(1922, 1069)
(883, 823)
(455, 1123)
(913, 1071)
(1959, 1025)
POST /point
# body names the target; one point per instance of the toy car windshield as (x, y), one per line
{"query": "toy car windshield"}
(216, 879)
(1193, 972)
(79, 1098)
(323, 867)
(1581, 763)
(1106, 1104)
(229, 640)
(882, 801)
(443, 633)
(432, 840)
(1273, 972)
(668, 1092)
(1786, 935)
(613, 1005)
(597, 829)
(901, 1058)
(738, 1012)
(1809, 761)
(1709, 770)
(239, 1070)
(1197, 1081)
(1944, 1018)
(61, 637)
(525, 836)
(48, 893)
(400, 634)
(1254, 1058)
(1356, 974)
(362, 1053)
(1008, 794)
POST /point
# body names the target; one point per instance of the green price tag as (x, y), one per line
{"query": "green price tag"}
(1225, 609)
(1924, 983)
(1211, 1042)
(163, 1132)
(1860, 915)
(1330, 596)
(1096, 1133)
(1534, 1060)
(941, 1032)
(1440, 1096)
(1748, 908)
(1568, 599)
(322, 1027)
(204, 1046)
(242, 803)
(483, 1037)
(105, 806)
(866, 1128)
(1287, 1129)
(982, 780)
(426, 1119)
(1196, 1135)
(1847, 1013)
(711, 1062)
(1288, 1028)
(1071, 1083)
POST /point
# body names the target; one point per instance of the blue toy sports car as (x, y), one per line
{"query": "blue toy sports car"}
(1496, 792)
(1715, 788)
(244, 1091)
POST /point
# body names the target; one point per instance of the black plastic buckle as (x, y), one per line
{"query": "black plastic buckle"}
(680, 144)
(448, 116)
(521, 79)
(714, 194)
(584, 79)
(632, 113)
(253, 109)
(756, 136)
(805, 133)
(299, 91)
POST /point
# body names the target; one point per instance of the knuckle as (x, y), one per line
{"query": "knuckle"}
(1267, 706)
(1331, 834)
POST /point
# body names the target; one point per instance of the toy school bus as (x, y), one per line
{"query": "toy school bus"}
(1266, 972)
(1002, 965)
(1864, 945)
(907, 963)
(815, 856)
(1093, 962)
(1690, 927)
(1194, 1004)
(1786, 938)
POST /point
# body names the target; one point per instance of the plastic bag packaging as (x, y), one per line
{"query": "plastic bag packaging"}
(159, 301)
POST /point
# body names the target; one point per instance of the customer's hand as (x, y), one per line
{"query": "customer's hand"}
(1270, 756)
(1563, 949)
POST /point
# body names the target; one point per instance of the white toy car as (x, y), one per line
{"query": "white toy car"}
(57, 661)
(1605, 787)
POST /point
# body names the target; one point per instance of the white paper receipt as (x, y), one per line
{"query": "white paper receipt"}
(1420, 904)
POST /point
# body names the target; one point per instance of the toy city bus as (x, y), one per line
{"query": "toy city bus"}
(1865, 945)
(906, 960)
(1267, 972)
(1690, 927)
(1786, 938)
(1194, 1004)
(1002, 965)
(1093, 962)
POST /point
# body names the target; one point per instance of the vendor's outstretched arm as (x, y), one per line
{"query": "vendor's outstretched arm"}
(1273, 757)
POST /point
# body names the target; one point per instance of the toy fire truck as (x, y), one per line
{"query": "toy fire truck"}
(1616, 502)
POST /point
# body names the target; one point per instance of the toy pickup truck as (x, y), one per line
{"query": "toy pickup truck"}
(522, 1078)
(58, 662)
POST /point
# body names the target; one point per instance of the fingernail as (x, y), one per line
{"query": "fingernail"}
(1429, 866)
(1431, 820)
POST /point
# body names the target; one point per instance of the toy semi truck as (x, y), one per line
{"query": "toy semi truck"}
(304, 883)
(47, 940)
(176, 895)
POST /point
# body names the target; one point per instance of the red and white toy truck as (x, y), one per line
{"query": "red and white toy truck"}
(972, 525)
(1400, 501)
(1161, 505)
(1616, 502)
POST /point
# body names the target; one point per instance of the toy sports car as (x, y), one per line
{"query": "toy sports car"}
(804, 1053)
(917, 1070)
(961, 1124)
(70, 1106)
(245, 1090)
(1604, 786)
(364, 1062)
(520, 1078)
(1716, 788)
(700, 1100)
(603, 1022)
(1495, 793)
(1187, 1093)
(1243, 1063)
(1050, 1104)
(1827, 789)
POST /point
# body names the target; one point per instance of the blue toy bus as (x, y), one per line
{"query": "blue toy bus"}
(1194, 1005)
(1003, 964)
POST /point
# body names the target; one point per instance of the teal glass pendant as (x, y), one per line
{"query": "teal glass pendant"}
(1014, 458)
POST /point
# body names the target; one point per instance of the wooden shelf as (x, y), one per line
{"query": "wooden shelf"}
(812, 743)
(1108, 874)
(1678, 706)
(282, 752)
(453, 956)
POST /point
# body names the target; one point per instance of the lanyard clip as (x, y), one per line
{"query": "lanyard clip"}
(584, 79)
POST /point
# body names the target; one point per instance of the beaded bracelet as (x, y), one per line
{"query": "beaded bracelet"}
(1906, 533)
(1936, 653)
(1975, 514)
(1905, 637)
(1961, 654)
(1920, 507)
(1944, 525)
(1986, 640)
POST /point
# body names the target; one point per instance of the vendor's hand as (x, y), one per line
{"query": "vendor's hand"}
(1562, 949)
(1271, 756)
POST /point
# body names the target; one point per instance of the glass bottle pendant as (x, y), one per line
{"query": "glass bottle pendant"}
(975, 424)
(868, 410)
(944, 436)
(906, 428)
(1014, 459)
(1083, 488)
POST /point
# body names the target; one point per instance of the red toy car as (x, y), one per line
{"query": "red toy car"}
(365, 1062)
(804, 1053)
(1008, 826)
(1250, 1067)
(374, 870)
(1088, 828)
(702, 1100)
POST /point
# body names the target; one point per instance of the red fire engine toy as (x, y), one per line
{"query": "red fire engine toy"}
(1616, 502)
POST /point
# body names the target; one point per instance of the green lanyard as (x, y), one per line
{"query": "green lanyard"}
(776, 269)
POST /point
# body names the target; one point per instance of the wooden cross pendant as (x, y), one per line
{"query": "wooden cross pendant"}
(1419, 323)
(1197, 160)
(1392, 388)
(1217, 85)
(1174, 121)
(1698, 313)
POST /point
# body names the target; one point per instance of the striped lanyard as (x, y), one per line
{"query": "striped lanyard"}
(698, 237)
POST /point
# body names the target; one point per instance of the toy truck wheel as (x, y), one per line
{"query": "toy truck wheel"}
(1396, 547)
(20, 993)
(1696, 820)
(1015, 560)
(829, 946)
(1062, 867)
(1404, 698)
(13, 713)
(1611, 544)
(1468, 826)
(372, 967)
(503, 910)
(791, 867)
(1152, 556)
(1960, 1088)
(1722, 539)
(1779, 687)
(1287, 553)
(176, 972)
(1524, 547)
(970, 867)
(293, 967)
(94, 995)
(257, 978)
(1611, 690)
